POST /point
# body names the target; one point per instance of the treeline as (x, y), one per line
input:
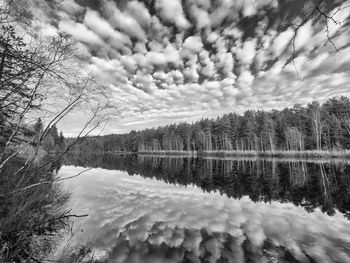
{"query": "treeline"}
(313, 127)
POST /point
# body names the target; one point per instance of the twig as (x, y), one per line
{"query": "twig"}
(44, 182)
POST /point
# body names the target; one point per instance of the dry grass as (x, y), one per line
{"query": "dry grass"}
(294, 154)
(280, 154)
(172, 153)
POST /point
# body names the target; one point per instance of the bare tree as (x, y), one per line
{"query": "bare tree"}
(316, 121)
(38, 77)
(322, 11)
(294, 139)
(35, 75)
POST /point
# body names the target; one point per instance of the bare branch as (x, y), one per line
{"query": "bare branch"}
(43, 183)
(316, 10)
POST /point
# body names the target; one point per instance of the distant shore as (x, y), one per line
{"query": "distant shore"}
(314, 154)
(224, 153)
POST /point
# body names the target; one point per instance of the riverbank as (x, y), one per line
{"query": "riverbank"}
(280, 154)
(170, 153)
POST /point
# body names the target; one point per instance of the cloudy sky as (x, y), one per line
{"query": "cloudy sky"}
(167, 61)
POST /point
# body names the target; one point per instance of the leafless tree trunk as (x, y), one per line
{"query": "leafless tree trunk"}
(32, 77)
(317, 126)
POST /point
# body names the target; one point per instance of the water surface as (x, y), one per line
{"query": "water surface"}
(167, 209)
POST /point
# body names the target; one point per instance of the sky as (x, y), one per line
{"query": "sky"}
(167, 61)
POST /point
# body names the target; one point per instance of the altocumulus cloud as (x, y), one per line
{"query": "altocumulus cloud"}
(166, 58)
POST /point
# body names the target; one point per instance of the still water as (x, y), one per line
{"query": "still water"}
(174, 209)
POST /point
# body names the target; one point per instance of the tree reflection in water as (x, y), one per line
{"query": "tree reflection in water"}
(308, 183)
(140, 219)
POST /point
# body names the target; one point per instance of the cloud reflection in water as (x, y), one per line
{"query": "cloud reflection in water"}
(133, 219)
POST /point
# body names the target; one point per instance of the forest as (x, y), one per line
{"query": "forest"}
(314, 127)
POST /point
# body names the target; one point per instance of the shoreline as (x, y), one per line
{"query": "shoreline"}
(281, 154)
(312, 154)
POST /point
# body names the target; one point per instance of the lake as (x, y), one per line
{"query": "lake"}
(174, 209)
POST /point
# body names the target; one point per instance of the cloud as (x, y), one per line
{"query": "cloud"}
(108, 71)
(191, 74)
(204, 4)
(81, 33)
(245, 79)
(193, 43)
(200, 16)
(246, 54)
(212, 37)
(225, 9)
(139, 12)
(142, 62)
(173, 55)
(140, 48)
(129, 63)
(225, 64)
(252, 7)
(124, 22)
(281, 41)
(102, 28)
(158, 31)
(155, 46)
(156, 58)
(303, 36)
(207, 66)
(71, 7)
(172, 12)
(144, 82)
